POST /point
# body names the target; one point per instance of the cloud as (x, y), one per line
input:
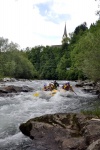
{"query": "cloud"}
(41, 22)
(45, 9)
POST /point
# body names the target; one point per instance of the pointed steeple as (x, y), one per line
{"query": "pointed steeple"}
(65, 37)
(65, 32)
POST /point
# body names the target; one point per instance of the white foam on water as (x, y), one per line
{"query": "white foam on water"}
(20, 108)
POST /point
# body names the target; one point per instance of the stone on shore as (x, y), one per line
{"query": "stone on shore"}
(4, 90)
(62, 131)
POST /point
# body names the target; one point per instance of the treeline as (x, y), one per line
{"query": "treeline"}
(77, 58)
(14, 63)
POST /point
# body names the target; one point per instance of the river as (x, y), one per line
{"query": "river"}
(19, 108)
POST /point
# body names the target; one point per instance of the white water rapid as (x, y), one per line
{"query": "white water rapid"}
(19, 108)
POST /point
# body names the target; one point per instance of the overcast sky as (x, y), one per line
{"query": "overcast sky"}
(31, 23)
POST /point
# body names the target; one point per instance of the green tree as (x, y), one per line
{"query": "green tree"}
(3, 44)
(86, 54)
(62, 68)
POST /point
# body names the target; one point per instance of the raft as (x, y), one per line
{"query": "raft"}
(52, 93)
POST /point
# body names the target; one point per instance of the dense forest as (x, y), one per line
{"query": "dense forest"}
(77, 58)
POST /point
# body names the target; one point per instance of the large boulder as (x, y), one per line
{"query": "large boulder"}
(62, 131)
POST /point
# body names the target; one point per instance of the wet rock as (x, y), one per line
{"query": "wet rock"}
(62, 131)
(90, 87)
(85, 83)
(26, 128)
(8, 79)
(99, 95)
(79, 84)
(14, 89)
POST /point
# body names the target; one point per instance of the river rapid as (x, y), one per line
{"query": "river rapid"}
(19, 108)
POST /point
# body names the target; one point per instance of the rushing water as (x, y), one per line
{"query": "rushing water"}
(21, 107)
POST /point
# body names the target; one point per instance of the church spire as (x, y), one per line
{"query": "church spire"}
(65, 32)
(65, 37)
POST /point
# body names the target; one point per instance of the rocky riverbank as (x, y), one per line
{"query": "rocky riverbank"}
(68, 131)
(90, 87)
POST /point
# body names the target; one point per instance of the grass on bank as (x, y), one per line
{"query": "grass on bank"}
(95, 111)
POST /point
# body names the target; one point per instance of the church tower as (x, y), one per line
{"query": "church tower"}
(64, 37)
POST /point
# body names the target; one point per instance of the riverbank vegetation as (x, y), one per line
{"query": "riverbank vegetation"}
(95, 111)
(77, 58)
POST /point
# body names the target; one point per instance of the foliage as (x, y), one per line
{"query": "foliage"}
(17, 66)
(14, 64)
(98, 11)
(3, 44)
(86, 54)
(78, 32)
(95, 111)
(80, 29)
(61, 68)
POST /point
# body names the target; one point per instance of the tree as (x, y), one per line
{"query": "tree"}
(62, 68)
(98, 11)
(3, 44)
(81, 28)
(86, 54)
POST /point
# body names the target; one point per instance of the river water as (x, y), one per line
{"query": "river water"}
(19, 108)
